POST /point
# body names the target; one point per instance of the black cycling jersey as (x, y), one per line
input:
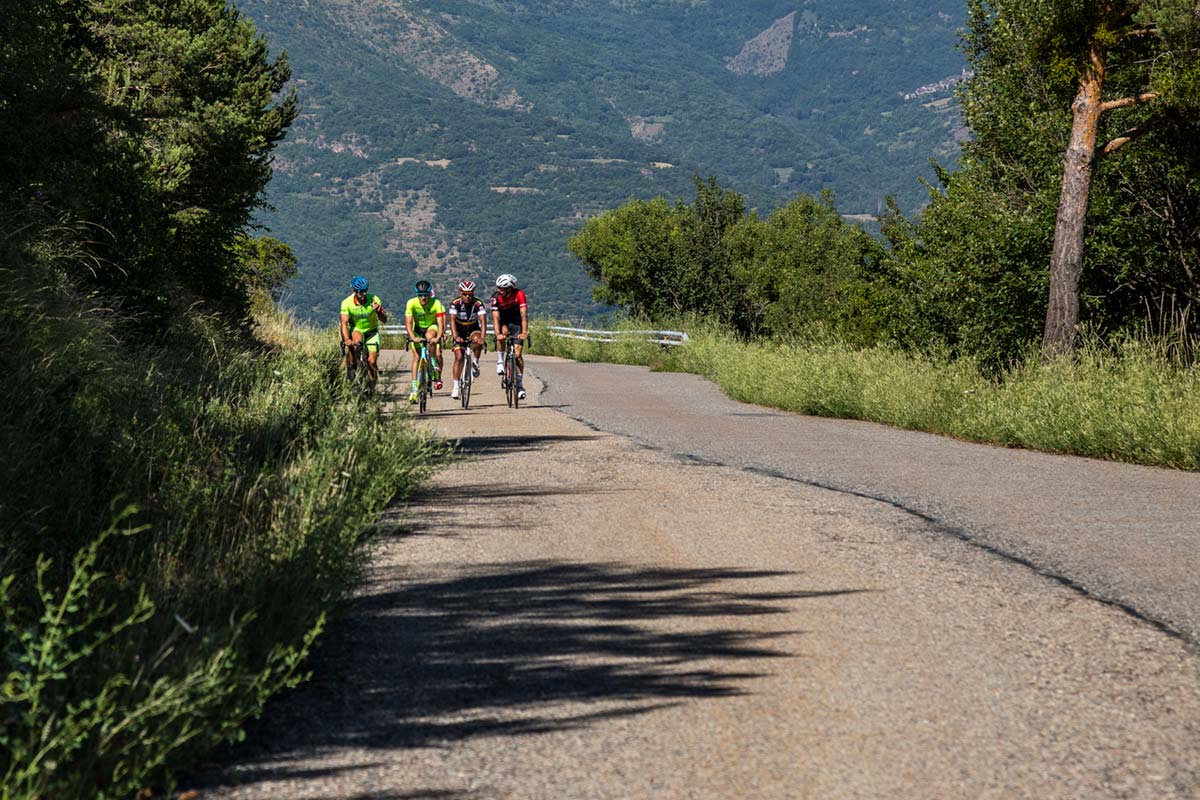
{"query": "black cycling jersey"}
(466, 314)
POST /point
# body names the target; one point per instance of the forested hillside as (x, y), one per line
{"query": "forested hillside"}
(469, 138)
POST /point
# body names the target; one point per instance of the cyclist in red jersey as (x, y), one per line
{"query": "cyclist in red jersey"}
(510, 318)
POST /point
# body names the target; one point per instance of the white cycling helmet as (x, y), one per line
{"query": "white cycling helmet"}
(505, 281)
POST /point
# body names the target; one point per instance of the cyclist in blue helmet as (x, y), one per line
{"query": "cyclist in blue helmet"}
(361, 315)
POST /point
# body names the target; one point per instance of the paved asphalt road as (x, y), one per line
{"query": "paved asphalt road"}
(1123, 534)
(566, 614)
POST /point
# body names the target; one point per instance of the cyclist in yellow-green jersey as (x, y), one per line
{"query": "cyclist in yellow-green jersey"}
(361, 314)
(425, 318)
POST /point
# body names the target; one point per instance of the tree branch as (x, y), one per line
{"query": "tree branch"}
(1126, 102)
(1136, 132)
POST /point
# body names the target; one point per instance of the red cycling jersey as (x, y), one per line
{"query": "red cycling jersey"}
(509, 307)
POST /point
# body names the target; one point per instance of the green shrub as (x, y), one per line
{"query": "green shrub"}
(253, 479)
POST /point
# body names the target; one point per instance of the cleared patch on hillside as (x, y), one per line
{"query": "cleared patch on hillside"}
(410, 219)
(440, 163)
(767, 53)
(416, 232)
(647, 129)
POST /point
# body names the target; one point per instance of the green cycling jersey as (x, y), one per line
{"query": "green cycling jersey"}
(363, 316)
(424, 316)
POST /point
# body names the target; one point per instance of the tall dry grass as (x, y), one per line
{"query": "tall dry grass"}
(1135, 398)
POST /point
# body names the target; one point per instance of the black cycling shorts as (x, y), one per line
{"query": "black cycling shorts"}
(512, 323)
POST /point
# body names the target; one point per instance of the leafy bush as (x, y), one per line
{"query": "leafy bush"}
(247, 479)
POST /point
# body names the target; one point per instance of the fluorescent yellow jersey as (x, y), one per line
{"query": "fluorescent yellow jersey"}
(424, 316)
(362, 317)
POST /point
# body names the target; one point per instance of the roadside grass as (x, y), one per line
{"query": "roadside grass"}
(1135, 399)
(176, 521)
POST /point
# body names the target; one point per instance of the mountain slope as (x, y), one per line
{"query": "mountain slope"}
(469, 138)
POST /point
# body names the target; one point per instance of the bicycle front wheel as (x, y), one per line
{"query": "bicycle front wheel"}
(422, 384)
(464, 386)
(510, 379)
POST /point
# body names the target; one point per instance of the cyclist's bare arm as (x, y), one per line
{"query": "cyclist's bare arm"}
(496, 329)
(524, 323)
(379, 312)
(408, 327)
(346, 328)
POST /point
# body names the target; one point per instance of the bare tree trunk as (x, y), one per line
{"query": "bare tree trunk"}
(1066, 260)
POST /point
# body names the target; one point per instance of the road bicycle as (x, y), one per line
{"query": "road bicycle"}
(508, 378)
(358, 372)
(424, 374)
(467, 376)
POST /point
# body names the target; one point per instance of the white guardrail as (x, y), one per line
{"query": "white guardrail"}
(399, 330)
(669, 338)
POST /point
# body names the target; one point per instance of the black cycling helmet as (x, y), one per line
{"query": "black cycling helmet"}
(423, 288)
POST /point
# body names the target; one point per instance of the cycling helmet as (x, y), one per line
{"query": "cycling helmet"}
(423, 287)
(358, 284)
(505, 281)
(467, 287)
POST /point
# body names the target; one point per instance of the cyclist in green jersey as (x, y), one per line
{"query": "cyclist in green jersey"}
(361, 315)
(425, 318)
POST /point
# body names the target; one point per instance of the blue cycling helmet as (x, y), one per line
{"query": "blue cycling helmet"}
(359, 284)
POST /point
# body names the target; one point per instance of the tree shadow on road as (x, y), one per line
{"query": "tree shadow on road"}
(520, 649)
(482, 446)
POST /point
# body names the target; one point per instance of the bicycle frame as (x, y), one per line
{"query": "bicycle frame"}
(509, 379)
(465, 377)
(358, 371)
(424, 373)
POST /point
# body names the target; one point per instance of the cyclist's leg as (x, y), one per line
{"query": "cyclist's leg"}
(418, 334)
(513, 326)
(520, 368)
(459, 358)
(348, 355)
(372, 345)
(356, 343)
(476, 347)
(459, 362)
(435, 356)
